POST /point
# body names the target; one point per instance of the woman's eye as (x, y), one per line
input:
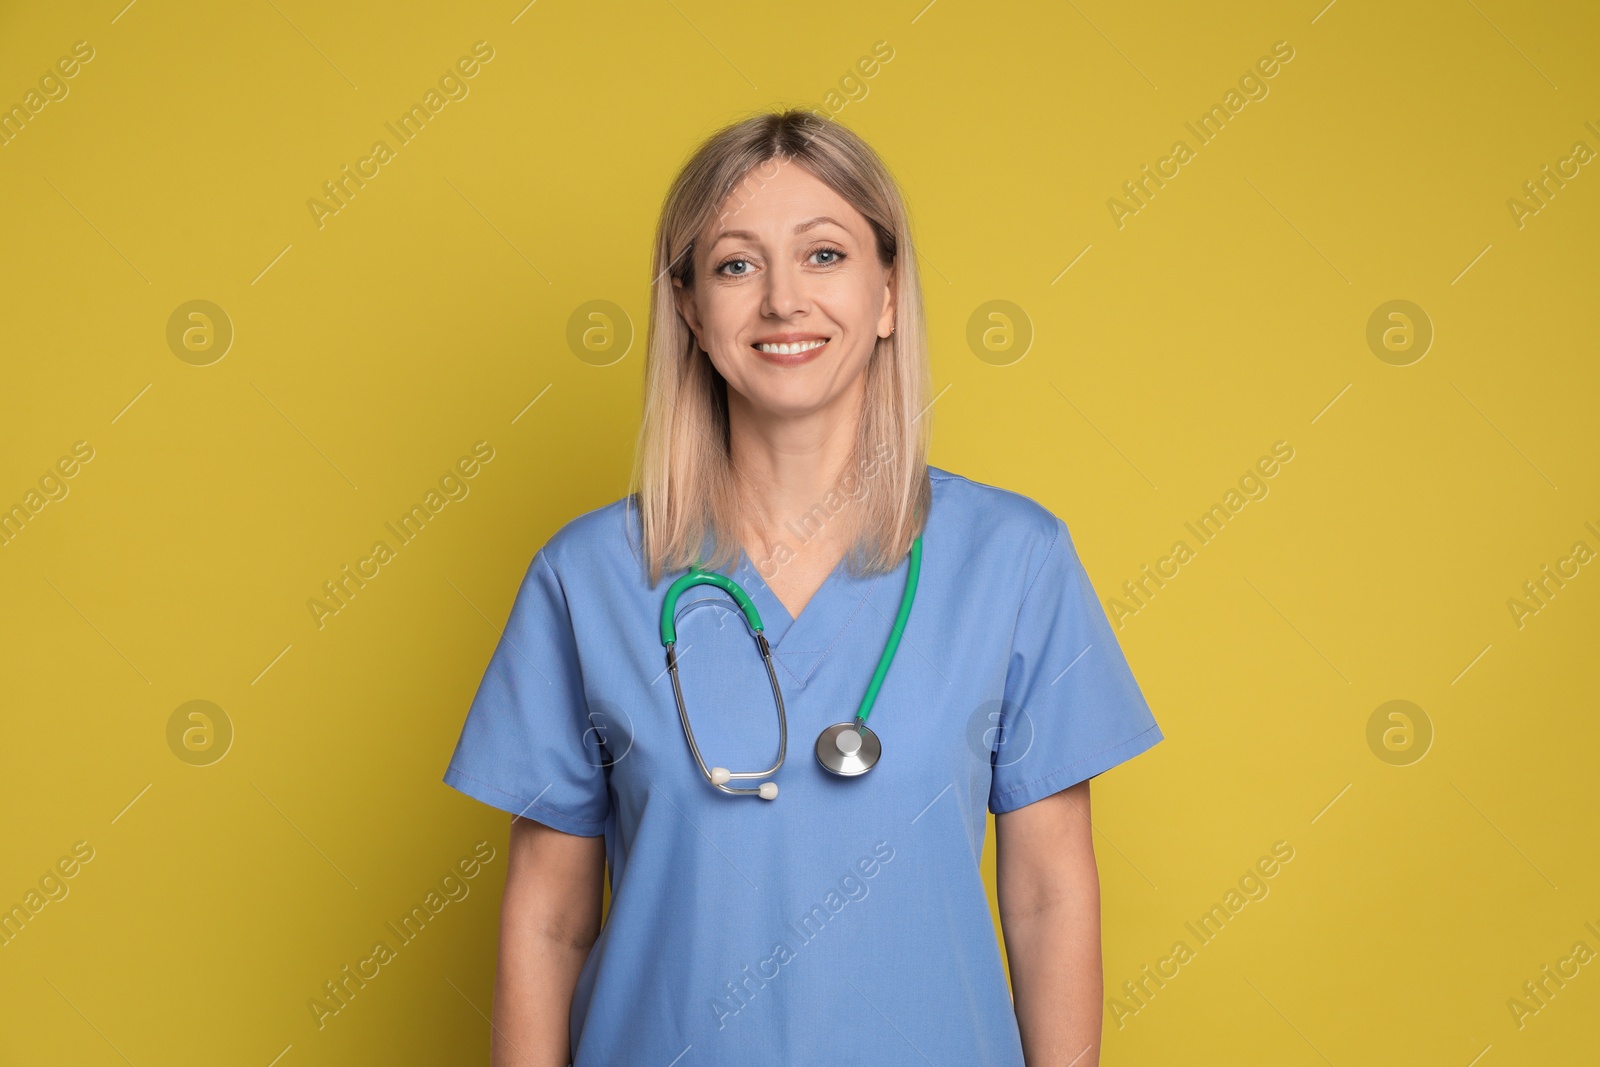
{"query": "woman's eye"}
(834, 252)
(736, 274)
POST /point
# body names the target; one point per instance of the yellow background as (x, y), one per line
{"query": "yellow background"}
(1228, 314)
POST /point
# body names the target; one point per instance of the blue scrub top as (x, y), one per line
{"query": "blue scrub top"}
(846, 921)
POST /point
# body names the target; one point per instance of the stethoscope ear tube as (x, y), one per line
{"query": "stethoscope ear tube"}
(669, 606)
(719, 776)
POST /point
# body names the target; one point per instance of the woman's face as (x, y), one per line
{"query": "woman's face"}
(789, 298)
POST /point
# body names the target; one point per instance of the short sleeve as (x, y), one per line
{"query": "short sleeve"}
(526, 746)
(1072, 708)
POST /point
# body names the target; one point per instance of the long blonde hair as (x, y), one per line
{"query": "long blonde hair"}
(684, 479)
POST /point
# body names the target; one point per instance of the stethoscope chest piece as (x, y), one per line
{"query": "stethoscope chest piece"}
(848, 748)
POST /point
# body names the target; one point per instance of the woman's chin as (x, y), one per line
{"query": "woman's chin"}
(789, 404)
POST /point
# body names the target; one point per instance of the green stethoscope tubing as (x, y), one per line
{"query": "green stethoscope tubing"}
(669, 638)
(913, 571)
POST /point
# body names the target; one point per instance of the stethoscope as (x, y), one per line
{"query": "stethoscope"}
(845, 748)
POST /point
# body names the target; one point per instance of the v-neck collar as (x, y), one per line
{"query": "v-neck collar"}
(799, 645)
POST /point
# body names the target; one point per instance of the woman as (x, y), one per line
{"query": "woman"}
(810, 915)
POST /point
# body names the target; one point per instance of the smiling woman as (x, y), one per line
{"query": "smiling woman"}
(786, 352)
(786, 254)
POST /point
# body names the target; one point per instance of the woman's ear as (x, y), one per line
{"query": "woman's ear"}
(886, 316)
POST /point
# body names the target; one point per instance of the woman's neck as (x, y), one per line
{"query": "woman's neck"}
(791, 469)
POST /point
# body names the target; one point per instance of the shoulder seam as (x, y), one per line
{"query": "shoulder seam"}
(1054, 541)
(542, 556)
(549, 542)
(953, 476)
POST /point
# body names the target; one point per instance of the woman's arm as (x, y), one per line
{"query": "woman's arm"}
(549, 918)
(1049, 895)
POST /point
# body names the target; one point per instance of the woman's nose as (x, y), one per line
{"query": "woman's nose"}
(785, 291)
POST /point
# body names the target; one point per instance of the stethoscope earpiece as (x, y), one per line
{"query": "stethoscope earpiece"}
(766, 791)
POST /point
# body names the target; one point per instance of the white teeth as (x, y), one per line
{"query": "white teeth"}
(793, 349)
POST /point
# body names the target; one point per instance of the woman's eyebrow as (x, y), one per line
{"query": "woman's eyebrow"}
(746, 235)
(818, 221)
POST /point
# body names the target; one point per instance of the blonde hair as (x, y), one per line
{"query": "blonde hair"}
(684, 479)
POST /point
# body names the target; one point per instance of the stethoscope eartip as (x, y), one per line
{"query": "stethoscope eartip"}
(768, 790)
(720, 775)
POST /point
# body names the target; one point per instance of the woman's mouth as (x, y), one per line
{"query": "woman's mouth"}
(792, 353)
